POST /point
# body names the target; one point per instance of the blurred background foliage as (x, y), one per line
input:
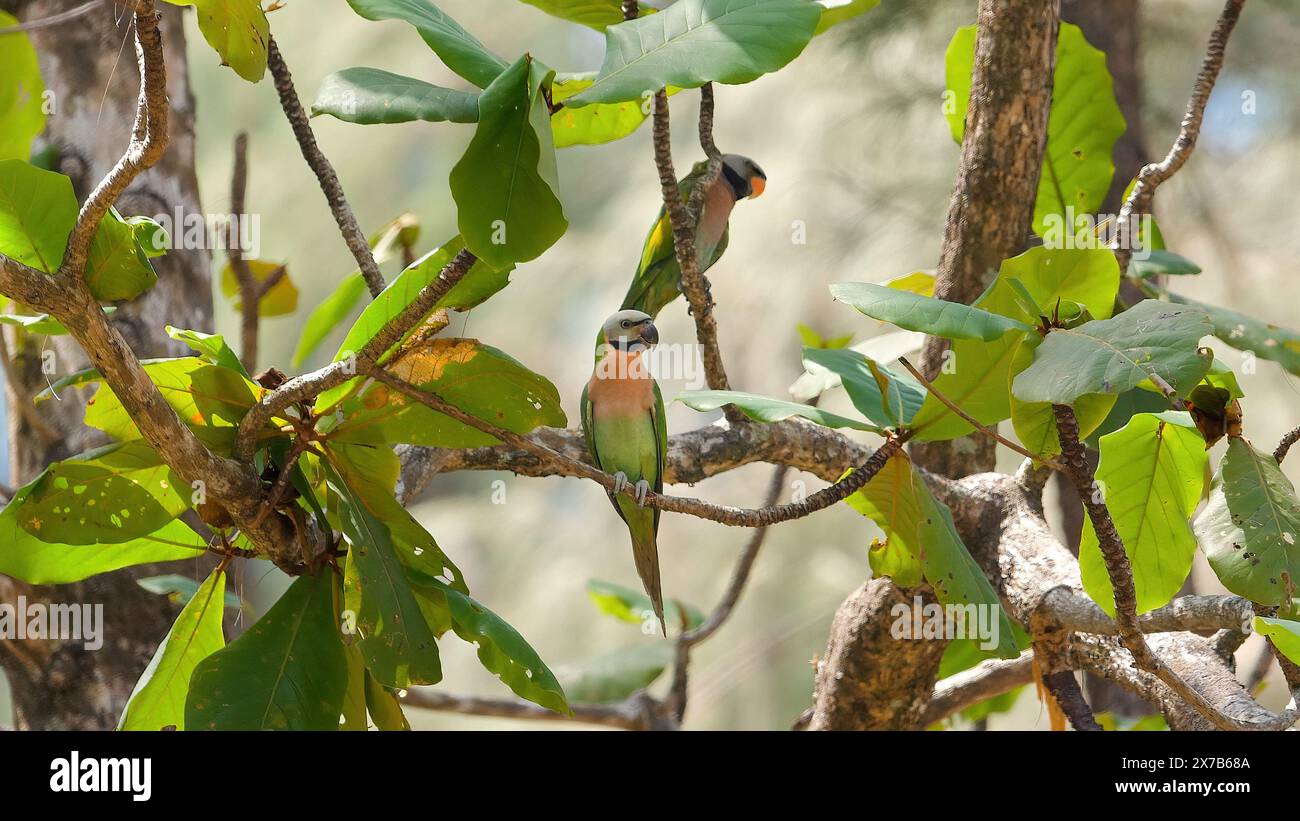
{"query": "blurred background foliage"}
(857, 151)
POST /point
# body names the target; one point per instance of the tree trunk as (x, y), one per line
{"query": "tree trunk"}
(91, 71)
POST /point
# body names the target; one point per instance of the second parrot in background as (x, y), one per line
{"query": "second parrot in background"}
(658, 277)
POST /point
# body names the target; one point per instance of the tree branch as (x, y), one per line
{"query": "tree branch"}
(250, 295)
(986, 680)
(1151, 176)
(634, 713)
(1283, 447)
(325, 174)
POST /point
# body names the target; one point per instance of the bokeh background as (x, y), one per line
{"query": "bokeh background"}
(856, 149)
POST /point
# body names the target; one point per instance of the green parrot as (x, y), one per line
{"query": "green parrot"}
(627, 435)
(658, 277)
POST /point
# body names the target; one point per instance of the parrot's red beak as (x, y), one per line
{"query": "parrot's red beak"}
(756, 187)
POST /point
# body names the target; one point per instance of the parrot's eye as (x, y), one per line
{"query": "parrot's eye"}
(627, 323)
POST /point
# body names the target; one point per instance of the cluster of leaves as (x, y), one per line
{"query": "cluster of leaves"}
(1046, 332)
(341, 643)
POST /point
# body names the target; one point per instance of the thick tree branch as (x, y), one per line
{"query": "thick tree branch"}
(986, 680)
(325, 174)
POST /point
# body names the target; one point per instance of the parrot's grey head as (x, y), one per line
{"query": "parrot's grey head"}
(743, 175)
(631, 331)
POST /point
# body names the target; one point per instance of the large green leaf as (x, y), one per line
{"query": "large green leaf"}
(288, 672)
(460, 50)
(1082, 129)
(109, 495)
(980, 372)
(237, 30)
(694, 42)
(763, 409)
(1285, 634)
(371, 96)
(474, 377)
(400, 234)
(884, 396)
(1113, 355)
(37, 212)
(32, 560)
(396, 642)
(506, 186)
(615, 676)
(598, 14)
(1035, 422)
(1250, 528)
(501, 649)
(633, 606)
(901, 505)
(158, 700)
(1153, 473)
(1264, 339)
(835, 12)
(22, 115)
(914, 312)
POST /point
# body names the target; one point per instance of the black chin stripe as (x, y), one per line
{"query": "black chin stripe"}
(739, 186)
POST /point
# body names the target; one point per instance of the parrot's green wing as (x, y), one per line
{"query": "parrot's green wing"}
(661, 442)
(655, 283)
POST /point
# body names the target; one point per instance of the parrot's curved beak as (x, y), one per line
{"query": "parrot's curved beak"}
(650, 334)
(756, 187)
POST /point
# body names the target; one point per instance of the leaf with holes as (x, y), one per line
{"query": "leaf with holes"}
(289, 671)
(158, 700)
(1250, 528)
(1152, 473)
(1245, 333)
(1113, 355)
(237, 30)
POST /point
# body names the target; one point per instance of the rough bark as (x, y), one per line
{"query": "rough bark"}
(61, 686)
(992, 203)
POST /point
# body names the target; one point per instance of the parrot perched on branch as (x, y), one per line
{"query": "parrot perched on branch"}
(658, 277)
(627, 435)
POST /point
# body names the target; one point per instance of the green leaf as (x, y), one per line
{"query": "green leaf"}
(32, 560)
(1035, 422)
(288, 672)
(211, 348)
(633, 606)
(1127, 405)
(1082, 129)
(1249, 529)
(835, 12)
(22, 91)
(885, 347)
(979, 372)
(457, 48)
(396, 642)
(506, 186)
(598, 14)
(1158, 263)
(694, 42)
(370, 96)
(1264, 339)
(884, 396)
(384, 706)
(592, 124)
(901, 505)
(1153, 474)
(763, 409)
(182, 590)
(281, 300)
(40, 323)
(117, 267)
(614, 676)
(158, 700)
(938, 317)
(501, 649)
(37, 212)
(401, 233)
(237, 30)
(1113, 355)
(474, 377)
(110, 495)
(1285, 634)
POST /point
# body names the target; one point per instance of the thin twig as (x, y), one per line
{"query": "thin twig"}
(1292, 436)
(722, 514)
(54, 19)
(975, 423)
(1064, 688)
(325, 174)
(634, 713)
(250, 296)
(1151, 176)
